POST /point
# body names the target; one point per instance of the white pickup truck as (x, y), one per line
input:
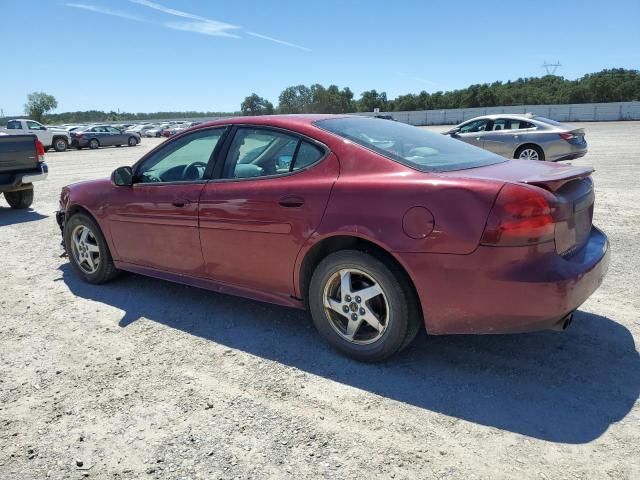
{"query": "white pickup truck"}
(50, 137)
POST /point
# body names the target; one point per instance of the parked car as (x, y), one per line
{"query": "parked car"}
(377, 227)
(50, 137)
(155, 131)
(139, 129)
(96, 136)
(21, 164)
(526, 137)
(172, 130)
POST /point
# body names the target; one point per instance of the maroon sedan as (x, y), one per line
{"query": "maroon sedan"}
(376, 227)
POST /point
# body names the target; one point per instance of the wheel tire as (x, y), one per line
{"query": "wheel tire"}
(94, 144)
(403, 317)
(529, 152)
(21, 199)
(133, 142)
(60, 145)
(106, 269)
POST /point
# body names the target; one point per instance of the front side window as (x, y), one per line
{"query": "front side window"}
(183, 160)
(474, 127)
(113, 130)
(412, 146)
(259, 152)
(34, 126)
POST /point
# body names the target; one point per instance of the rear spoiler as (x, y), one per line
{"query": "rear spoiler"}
(560, 176)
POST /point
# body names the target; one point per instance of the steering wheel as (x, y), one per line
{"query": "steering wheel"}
(192, 169)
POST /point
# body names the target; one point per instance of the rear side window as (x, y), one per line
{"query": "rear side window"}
(13, 125)
(308, 154)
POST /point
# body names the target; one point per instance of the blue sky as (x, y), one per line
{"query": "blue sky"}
(141, 56)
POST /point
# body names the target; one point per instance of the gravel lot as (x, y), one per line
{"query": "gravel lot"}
(146, 379)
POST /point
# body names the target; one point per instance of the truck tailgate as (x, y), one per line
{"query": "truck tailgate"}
(17, 153)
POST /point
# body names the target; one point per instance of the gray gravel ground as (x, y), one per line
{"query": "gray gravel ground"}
(146, 379)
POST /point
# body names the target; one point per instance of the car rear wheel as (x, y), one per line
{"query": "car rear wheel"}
(530, 152)
(21, 199)
(132, 141)
(88, 250)
(60, 144)
(363, 307)
(93, 144)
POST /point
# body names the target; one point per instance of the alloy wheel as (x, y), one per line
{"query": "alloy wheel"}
(356, 306)
(529, 154)
(85, 249)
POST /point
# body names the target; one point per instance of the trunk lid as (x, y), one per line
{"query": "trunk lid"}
(571, 186)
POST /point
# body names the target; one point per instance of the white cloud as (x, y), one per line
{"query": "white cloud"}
(281, 42)
(105, 11)
(198, 23)
(215, 29)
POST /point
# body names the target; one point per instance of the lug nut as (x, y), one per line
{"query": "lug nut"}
(354, 316)
(362, 312)
(347, 298)
(358, 299)
(345, 309)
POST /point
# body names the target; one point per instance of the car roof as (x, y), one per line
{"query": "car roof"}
(282, 121)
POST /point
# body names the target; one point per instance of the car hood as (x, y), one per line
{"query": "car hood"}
(548, 175)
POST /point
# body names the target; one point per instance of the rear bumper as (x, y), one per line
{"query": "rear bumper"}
(506, 289)
(566, 151)
(23, 179)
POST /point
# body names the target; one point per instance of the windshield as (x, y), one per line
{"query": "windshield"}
(412, 146)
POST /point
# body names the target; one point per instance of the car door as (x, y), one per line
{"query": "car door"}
(100, 133)
(473, 132)
(39, 130)
(498, 137)
(270, 196)
(116, 137)
(154, 222)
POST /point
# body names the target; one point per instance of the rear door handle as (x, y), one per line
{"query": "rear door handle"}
(291, 202)
(180, 203)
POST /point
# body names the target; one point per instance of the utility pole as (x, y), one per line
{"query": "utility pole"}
(551, 68)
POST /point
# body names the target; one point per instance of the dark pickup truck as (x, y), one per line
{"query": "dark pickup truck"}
(21, 164)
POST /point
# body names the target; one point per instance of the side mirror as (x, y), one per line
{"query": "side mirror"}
(122, 177)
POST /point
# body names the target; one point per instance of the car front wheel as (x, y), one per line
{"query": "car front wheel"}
(93, 144)
(362, 306)
(88, 250)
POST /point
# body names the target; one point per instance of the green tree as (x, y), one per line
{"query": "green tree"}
(371, 100)
(39, 103)
(298, 99)
(256, 105)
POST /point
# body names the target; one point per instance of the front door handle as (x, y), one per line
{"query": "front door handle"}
(291, 202)
(180, 203)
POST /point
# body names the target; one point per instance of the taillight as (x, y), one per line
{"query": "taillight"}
(522, 215)
(567, 136)
(39, 151)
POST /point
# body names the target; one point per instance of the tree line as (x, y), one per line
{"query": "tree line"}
(611, 85)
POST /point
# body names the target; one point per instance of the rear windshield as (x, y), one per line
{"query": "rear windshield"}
(412, 146)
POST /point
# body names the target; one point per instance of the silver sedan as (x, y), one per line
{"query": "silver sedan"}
(525, 137)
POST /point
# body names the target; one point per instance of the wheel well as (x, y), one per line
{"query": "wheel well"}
(530, 145)
(59, 137)
(345, 242)
(73, 209)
